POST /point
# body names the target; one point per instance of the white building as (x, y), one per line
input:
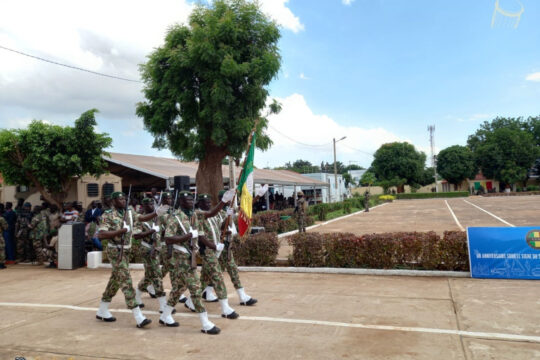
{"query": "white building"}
(330, 193)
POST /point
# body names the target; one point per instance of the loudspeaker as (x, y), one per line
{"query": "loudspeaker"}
(71, 246)
(181, 183)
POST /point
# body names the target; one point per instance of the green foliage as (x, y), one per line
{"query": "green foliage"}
(49, 156)
(533, 188)
(300, 166)
(279, 221)
(398, 163)
(456, 163)
(206, 85)
(256, 250)
(506, 148)
(368, 179)
(308, 249)
(320, 211)
(433, 195)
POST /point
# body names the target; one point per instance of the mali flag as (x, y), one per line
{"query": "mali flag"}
(245, 188)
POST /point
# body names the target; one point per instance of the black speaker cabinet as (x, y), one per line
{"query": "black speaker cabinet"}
(181, 183)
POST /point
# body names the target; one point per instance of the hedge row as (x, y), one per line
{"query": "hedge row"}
(279, 221)
(512, 194)
(320, 211)
(433, 195)
(405, 250)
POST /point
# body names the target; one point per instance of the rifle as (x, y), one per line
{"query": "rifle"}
(194, 246)
(227, 240)
(153, 249)
(123, 221)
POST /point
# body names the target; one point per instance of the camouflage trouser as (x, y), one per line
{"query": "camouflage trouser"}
(2, 249)
(211, 274)
(40, 251)
(120, 278)
(164, 260)
(23, 246)
(301, 225)
(182, 277)
(231, 268)
(53, 253)
(152, 272)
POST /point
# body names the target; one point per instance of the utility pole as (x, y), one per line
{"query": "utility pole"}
(335, 167)
(431, 129)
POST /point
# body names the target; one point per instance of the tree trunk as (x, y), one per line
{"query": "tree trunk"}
(209, 178)
(56, 199)
(401, 189)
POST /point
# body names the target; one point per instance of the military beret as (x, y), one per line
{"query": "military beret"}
(146, 200)
(27, 204)
(185, 193)
(165, 194)
(203, 196)
(117, 194)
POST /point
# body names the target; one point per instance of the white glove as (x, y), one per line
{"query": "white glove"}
(262, 190)
(155, 227)
(194, 233)
(228, 196)
(160, 210)
(232, 229)
(230, 211)
(219, 249)
(126, 226)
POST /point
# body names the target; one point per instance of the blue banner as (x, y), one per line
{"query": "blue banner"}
(504, 253)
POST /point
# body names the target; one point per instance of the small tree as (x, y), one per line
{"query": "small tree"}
(50, 156)
(455, 164)
(367, 179)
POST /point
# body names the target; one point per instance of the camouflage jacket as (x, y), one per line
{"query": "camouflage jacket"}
(3, 227)
(113, 220)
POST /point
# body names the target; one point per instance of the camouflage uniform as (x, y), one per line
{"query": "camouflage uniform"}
(227, 264)
(211, 272)
(40, 230)
(152, 272)
(180, 271)
(162, 253)
(3, 227)
(301, 209)
(112, 220)
(24, 219)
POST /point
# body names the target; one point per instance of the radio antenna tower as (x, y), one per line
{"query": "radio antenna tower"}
(431, 129)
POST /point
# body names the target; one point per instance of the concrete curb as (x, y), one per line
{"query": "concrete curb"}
(380, 272)
(326, 222)
(307, 270)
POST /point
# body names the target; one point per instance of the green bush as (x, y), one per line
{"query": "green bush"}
(319, 211)
(342, 250)
(347, 207)
(308, 250)
(433, 195)
(453, 251)
(272, 220)
(256, 250)
(533, 188)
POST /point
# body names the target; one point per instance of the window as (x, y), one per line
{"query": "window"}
(92, 190)
(108, 189)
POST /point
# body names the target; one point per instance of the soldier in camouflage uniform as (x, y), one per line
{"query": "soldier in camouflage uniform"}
(3, 227)
(211, 271)
(150, 247)
(115, 225)
(22, 233)
(40, 231)
(182, 227)
(300, 211)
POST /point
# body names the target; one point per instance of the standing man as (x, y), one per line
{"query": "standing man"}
(91, 219)
(366, 201)
(40, 231)
(22, 233)
(155, 196)
(3, 227)
(9, 234)
(300, 211)
(117, 223)
(150, 250)
(211, 271)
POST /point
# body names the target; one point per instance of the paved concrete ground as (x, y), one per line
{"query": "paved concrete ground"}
(299, 316)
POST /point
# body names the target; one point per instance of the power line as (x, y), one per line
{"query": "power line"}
(69, 66)
(362, 151)
(298, 142)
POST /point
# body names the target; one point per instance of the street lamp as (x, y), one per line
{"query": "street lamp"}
(335, 165)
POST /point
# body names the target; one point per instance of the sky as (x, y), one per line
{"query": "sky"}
(373, 71)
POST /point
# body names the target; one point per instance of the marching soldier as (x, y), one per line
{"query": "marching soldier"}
(211, 271)
(118, 222)
(150, 250)
(22, 232)
(300, 211)
(181, 228)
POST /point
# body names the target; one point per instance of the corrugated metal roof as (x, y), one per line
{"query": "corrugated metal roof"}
(167, 168)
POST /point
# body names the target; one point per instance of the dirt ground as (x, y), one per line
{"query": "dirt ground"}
(50, 314)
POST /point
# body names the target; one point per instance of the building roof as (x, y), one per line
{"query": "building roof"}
(167, 168)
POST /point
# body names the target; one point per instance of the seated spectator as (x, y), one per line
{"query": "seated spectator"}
(70, 214)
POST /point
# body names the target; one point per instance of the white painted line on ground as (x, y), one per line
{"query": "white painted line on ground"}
(454, 216)
(472, 334)
(327, 222)
(487, 212)
(349, 271)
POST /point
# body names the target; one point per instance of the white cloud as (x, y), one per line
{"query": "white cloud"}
(303, 77)
(470, 118)
(298, 133)
(278, 10)
(533, 77)
(347, 2)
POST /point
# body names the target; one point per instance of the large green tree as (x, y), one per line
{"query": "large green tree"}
(505, 149)
(206, 86)
(398, 163)
(455, 164)
(50, 156)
